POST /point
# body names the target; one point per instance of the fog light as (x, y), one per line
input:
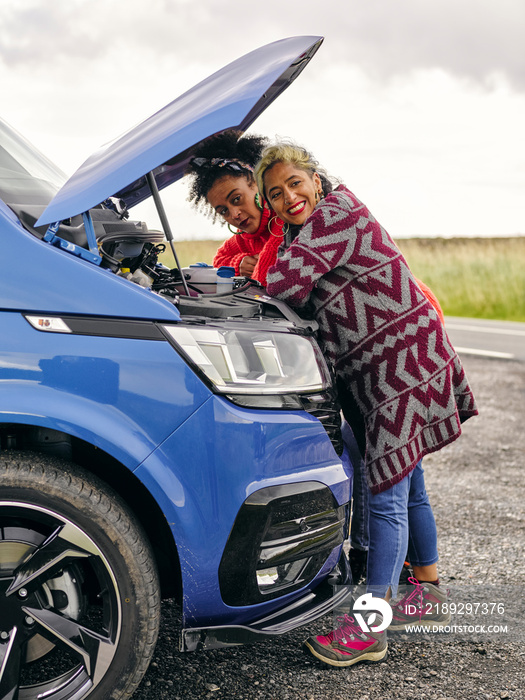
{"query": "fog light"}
(281, 539)
(273, 578)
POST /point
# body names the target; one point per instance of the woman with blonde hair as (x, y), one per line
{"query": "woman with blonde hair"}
(402, 386)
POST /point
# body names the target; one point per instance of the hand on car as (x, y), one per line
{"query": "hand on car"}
(247, 265)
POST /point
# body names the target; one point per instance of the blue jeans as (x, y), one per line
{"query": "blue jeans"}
(400, 520)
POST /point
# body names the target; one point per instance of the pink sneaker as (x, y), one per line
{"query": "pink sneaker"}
(424, 605)
(348, 644)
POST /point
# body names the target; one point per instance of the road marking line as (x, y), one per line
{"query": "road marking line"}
(483, 329)
(485, 353)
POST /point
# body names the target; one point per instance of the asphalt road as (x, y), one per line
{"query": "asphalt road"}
(498, 339)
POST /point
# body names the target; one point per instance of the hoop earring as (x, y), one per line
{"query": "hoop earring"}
(237, 233)
(277, 235)
(258, 202)
(286, 228)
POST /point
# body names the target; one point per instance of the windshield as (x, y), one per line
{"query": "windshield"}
(26, 176)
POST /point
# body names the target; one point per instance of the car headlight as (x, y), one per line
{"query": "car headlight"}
(251, 361)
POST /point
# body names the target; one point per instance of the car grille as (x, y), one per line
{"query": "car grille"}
(326, 409)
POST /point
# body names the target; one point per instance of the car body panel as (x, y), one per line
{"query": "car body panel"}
(198, 455)
(135, 411)
(244, 451)
(124, 396)
(232, 97)
(73, 287)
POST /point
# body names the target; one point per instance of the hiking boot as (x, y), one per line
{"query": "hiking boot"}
(425, 605)
(348, 644)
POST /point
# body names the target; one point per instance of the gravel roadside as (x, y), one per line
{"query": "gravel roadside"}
(478, 494)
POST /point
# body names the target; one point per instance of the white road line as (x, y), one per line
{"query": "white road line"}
(485, 353)
(483, 329)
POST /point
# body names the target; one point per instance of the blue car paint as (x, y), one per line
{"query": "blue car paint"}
(197, 454)
(125, 396)
(232, 97)
(43, 279)
(218, 457)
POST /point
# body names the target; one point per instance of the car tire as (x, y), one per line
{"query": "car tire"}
(79, 589)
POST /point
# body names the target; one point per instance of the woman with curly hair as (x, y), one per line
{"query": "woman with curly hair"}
(224, 185)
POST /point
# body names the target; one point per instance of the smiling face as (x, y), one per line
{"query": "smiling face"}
(292, 192)
(233, 198)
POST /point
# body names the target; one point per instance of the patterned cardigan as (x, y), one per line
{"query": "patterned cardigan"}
(382, 335)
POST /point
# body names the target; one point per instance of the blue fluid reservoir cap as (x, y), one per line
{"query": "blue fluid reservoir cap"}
(225, 271)
(201, 264)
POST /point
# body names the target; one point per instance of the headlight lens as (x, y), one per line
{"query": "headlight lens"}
(253, 362)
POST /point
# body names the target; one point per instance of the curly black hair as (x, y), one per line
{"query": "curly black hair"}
(230, 145)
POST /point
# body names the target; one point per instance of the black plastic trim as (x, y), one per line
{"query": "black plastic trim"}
(325, 407)
(302, 611)
(302, 517)
(109, 327)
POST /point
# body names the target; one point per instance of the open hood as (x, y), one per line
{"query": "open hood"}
(231, 98)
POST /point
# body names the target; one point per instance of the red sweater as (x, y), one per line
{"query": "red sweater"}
(432, 299)
(261, 243)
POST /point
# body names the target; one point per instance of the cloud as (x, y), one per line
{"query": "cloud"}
(32, 31)
(474, 38)
(418, 106)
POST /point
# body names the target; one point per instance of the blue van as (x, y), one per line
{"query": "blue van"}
(154, 442)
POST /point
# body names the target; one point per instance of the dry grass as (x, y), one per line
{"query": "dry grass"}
(473, 277)
(191, 252)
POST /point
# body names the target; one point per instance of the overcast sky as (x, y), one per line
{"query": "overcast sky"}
(417, 105)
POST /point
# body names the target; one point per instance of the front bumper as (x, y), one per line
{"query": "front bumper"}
(225, 456)
(301, 612)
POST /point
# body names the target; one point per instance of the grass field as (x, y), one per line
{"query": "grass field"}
(472, 277)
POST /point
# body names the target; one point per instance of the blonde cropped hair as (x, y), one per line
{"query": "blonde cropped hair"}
(288, 152)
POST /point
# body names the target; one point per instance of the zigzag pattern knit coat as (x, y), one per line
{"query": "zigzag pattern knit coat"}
(379, 331)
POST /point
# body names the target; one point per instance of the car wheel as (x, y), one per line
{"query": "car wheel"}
(79, 591)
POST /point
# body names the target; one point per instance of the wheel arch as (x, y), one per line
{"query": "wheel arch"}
(33, 438)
